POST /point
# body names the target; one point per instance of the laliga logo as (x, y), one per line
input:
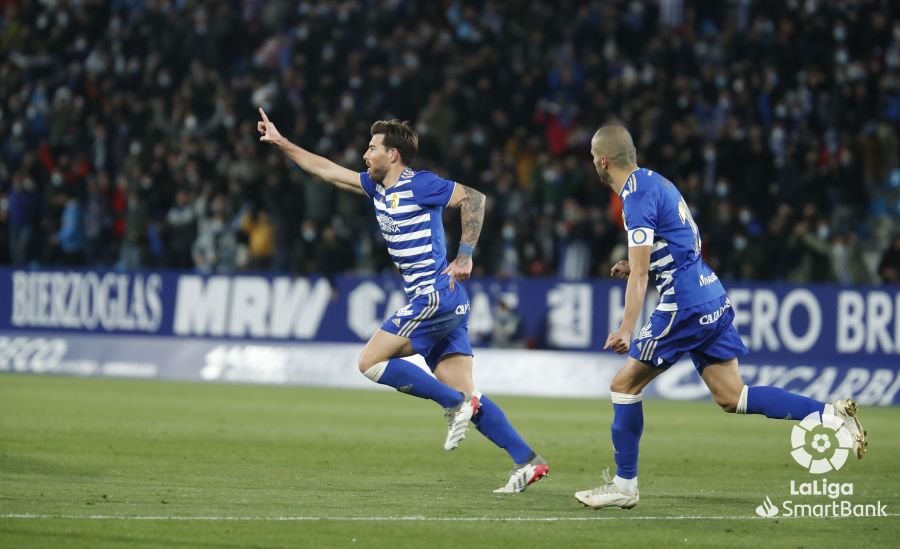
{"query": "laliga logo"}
(821, 444)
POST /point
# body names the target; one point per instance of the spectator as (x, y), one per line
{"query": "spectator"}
(134, 236)
(261, 239)
(70, 238)
(215, 250)
(507, 323)
(302, 260)
(98, 221)
(889, 267)
(332, 254)
(181, 221)
(808, 246)
(25, 208)
(4, 229)
(744, 104)
(848, 261)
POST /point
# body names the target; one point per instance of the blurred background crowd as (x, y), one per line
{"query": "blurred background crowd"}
(128, 140)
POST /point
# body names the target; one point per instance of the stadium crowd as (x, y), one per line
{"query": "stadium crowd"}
(127, 129)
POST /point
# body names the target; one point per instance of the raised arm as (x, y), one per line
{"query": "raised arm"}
(471, 209)
(318, 166)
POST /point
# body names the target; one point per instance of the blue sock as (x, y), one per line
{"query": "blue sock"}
(408, 378)
(776, 403)
(627, 426)
(492, 423)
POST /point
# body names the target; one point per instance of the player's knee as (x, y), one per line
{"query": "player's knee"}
(364, 362)
(371, 370)
(727, 401)
(624, 386)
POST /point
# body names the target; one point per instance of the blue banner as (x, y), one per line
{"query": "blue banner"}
(776, 320)
(798, 335)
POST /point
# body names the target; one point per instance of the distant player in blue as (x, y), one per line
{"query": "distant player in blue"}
(408, 206)
(694, 316)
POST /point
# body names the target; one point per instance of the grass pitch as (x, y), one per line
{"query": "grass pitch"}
(118, 463)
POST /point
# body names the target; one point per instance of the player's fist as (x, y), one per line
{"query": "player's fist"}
(620, 270)
(267, 131)
(459, 269)
(619, 341)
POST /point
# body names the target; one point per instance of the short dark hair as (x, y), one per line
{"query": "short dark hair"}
(398, 135)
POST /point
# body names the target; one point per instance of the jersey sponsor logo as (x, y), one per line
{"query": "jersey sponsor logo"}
(462, 309)
(388, 225)
(406, 310)
(707, 280)
(396, 322)
(714, 316)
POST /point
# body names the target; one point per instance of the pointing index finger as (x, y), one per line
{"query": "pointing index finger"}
(263, 114)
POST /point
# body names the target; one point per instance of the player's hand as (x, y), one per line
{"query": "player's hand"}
(620, 270)
(619, 341)
(268, 132)
(459, 269)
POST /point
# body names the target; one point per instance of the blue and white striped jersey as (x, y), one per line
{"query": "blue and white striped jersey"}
(409, 214)
(656, 215)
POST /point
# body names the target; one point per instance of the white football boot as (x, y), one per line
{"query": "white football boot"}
(847, 410)
(524, 475)
(458, 419)
(607, 495)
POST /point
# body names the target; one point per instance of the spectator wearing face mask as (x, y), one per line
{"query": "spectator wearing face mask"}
(808, 247)
(260, 239)
(215, 250)
(25, 210)
(69, 240)
(848, 260)
(140, 93)
(506, 332)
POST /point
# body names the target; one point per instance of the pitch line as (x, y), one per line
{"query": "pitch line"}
(402, 518)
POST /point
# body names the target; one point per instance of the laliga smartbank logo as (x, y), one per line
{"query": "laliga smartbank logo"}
(821, 444)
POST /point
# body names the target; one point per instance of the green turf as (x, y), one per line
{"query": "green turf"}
(81, 447)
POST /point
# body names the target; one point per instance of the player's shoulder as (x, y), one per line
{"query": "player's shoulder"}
(638, 186)
(418, 177)
(370, 187)
(643, 184)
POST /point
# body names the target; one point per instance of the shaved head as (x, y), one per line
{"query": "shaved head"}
(615, 143)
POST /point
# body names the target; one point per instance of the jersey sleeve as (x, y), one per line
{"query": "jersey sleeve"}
(368, 186)
(640, 210)
(430, 190)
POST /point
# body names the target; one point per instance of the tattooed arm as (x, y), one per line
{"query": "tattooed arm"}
(471, 208)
